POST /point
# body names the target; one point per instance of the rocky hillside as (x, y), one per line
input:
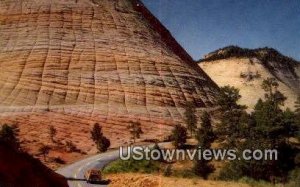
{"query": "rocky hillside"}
(247, 68)
(72, 63)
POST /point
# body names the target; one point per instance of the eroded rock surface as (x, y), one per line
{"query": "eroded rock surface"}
(246, 69)
(71, 63)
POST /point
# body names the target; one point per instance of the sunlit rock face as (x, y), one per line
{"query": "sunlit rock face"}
(70, 63)
(246, 69)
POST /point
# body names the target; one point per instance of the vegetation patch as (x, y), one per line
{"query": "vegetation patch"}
(268, 127)
(256, 183)
(131, 165)
(184, 173)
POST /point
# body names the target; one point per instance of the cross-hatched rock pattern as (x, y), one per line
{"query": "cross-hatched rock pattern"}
(70, 63)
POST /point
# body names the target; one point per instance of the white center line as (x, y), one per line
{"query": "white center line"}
(89, 163)
(78, 171)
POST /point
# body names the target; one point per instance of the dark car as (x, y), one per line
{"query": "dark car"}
(93, 176)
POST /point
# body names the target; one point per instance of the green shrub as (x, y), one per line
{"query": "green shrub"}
(131, 165)
(179, 134)
(230, 172)
(168, 171)
(185, 173)
(294, 178)
(254, 183)
(8, 135)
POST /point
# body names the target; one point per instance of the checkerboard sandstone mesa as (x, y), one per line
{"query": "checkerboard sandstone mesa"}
(72, 63)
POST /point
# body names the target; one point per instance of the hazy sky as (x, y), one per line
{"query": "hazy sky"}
(202, 26)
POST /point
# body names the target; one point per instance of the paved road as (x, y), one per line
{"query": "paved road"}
(75, 172)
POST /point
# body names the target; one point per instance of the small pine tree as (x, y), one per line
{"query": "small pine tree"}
(270, 85)
(179, 135)
(297, 113)
(103, 144)
(203, 168)
(190, 117)
(228, 98)
(135, 130)
(168, 171)
(297, 105)
(52, 133)
(8, 135)
(233, 118)
(96, 132)
(205, 136)
(101, 141)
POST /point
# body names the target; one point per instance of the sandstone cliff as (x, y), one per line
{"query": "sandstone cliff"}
(246, 69)
(71, 63)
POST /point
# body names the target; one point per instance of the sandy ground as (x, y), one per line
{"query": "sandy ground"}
(152, 180)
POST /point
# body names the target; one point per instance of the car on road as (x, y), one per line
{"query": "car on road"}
(93, 176)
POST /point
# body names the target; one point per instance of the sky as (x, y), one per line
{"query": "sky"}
(202, 26)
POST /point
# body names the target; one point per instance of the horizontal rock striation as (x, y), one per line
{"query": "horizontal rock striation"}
(71, 63)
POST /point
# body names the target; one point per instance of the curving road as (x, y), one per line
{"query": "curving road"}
(75, 172)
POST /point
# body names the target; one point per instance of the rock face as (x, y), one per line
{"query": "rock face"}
(246, 69)
(70, 63)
